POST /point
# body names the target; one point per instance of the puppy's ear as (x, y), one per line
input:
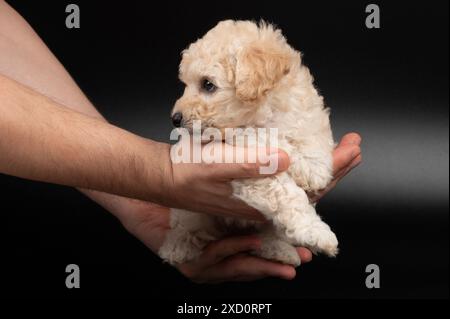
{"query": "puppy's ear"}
(259, 67)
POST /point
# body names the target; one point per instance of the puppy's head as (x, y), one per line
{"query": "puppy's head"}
(230, 73)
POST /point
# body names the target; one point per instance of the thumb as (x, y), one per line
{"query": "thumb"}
(350, 139)
(251, 162)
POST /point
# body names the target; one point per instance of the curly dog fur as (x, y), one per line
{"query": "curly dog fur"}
(261, 83)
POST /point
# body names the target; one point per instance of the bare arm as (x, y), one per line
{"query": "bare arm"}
(28, 55)
(45, 141)
(25, 58)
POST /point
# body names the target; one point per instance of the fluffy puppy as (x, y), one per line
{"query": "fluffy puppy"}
(243, 74)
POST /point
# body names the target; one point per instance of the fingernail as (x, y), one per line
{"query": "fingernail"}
(305, 255)
(281, 160)
(272, 165)
(356, 139)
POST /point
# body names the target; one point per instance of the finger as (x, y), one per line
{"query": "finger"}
(246, 266)
(221, 249)
(343, 155)
(347, 149)
(344, 162)
(221, 202)
(213, 276)
(350, 138)
(241, 211)
(304, 254)
(232, 207)
(315, 197)
(256, 163)
(354, 163)
(253, 266)
(248, 278)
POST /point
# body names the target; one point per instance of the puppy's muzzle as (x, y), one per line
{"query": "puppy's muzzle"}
(177, 119)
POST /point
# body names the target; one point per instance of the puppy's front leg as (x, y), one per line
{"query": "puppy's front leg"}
(312, 165)
(280, 200)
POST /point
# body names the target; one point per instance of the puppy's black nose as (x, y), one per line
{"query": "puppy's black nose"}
(177, 118)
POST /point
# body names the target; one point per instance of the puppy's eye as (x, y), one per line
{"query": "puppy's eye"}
(208, 86)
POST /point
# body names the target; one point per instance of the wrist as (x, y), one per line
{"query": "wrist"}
(141, 219)
(157, 173)
(122, 208)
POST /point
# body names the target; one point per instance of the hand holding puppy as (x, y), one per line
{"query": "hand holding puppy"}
(206, 188)
(226, 259)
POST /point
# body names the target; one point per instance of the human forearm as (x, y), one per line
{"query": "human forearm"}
(45, 141)
(23, 54)
(25, 58)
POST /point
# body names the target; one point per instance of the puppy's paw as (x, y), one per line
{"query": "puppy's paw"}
(312, 173)
(317, 182)
(322, 239)
(180, 248)
(318, 237)
(277, 250)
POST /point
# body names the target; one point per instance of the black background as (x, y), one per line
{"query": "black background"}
(390, 85)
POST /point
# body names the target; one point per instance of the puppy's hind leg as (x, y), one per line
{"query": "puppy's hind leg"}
(302, 226)
(274, 248)
(311, 232)
(287, 205)
(187, 237)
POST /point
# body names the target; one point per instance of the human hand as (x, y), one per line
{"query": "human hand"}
(226, 259)
(206, 188)
(209, 184)
(346, 156)
(223, 260)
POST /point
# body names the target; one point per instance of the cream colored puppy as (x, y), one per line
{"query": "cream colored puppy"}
(241, 74)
